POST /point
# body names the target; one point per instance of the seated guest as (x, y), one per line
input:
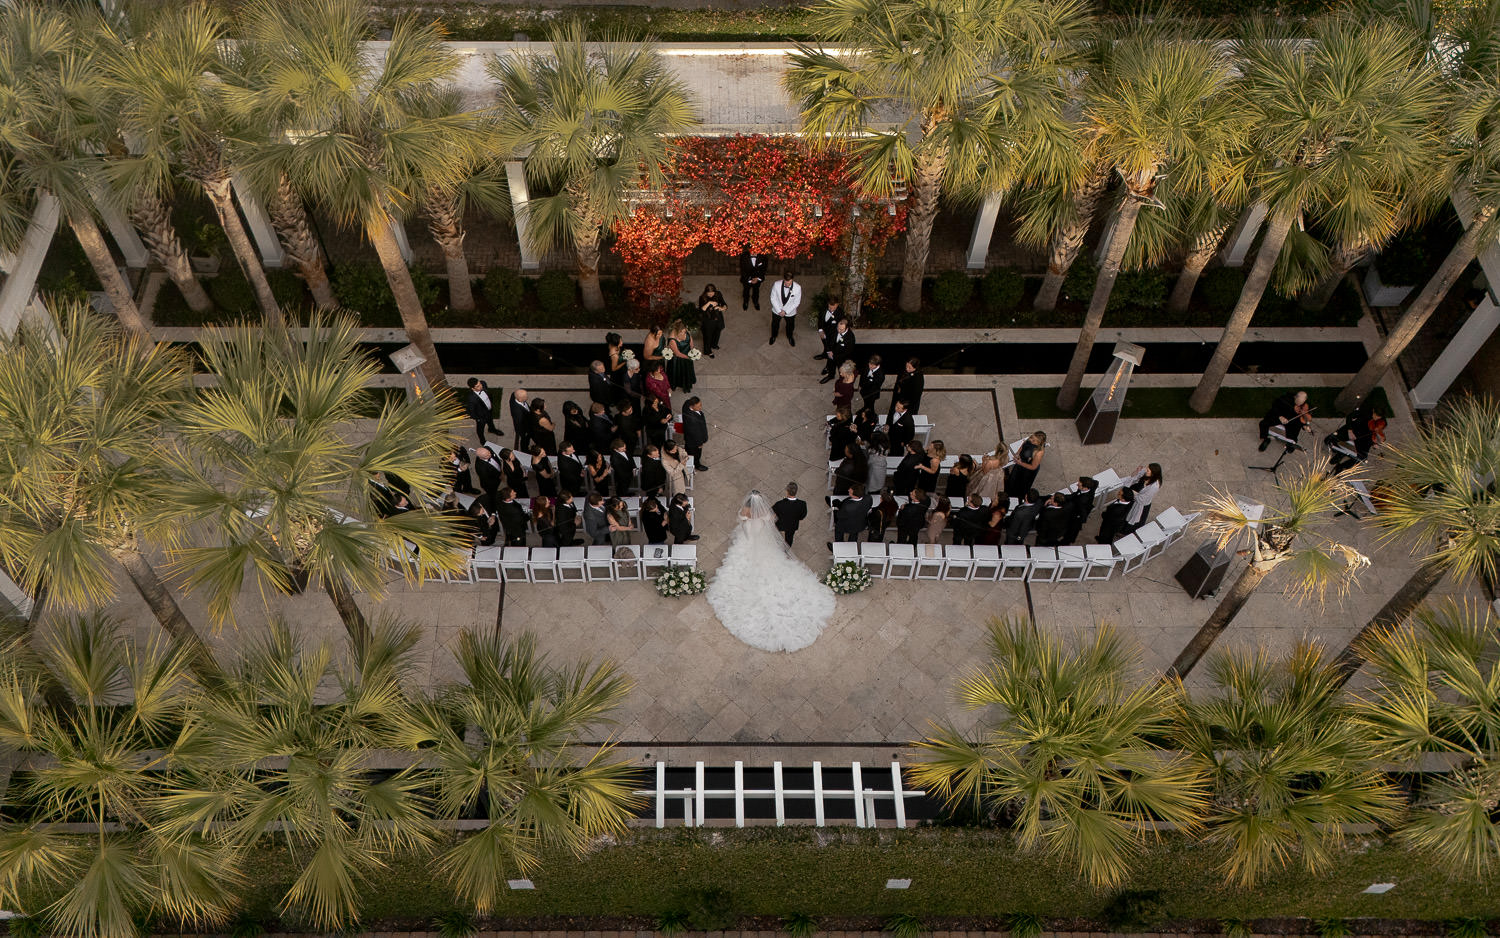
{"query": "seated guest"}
(1112, 520)
(653, 520)
(1023, 518)
(912, 517)
(1052, 522)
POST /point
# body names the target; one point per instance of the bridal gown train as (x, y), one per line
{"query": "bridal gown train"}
(763, 595)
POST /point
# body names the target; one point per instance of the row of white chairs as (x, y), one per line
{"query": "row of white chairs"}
(575, 564)
(1071, 564)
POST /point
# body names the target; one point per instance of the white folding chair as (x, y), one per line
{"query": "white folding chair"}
(930, 562)
(486, 564)
(986, 562)
(1152, 535)
(572, 565)
(903, 561)
(598, 563)
(1132, 552)
(845, 551)
(1045, 565)
(684, 555)
(1171, 518)
(513, 565)
(654, 559)
(1074, 564)
(543, 565)
(1109, 482)
(1102, 561)
(466, 575)
(627, 560)
(960, 562)
(874, 557)
(1014, 562)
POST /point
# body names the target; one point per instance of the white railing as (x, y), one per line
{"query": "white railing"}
(694, 800)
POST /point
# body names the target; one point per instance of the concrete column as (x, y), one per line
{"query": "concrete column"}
(259, 223)
(22, 267)
(520, 197)
(984, 230)
(1242, 235)
(120, 228)
(1460, 350)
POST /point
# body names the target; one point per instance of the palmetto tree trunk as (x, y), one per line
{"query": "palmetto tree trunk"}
(169, 614)
(1109, 270)
(921, 213)
(217, 187)
(289, 218)
(349, 612)
(1406, 600)
(854, 289)
(588, 269)
(1205, 246)
(413, 318)
(1068, 240)
(153, 219)
(1244, 586)
(1255, 287)
(103, 262)
(1344, 258)
(1417, 313)
(447, 229)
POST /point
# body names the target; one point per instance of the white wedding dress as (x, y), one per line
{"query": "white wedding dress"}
(764, 596)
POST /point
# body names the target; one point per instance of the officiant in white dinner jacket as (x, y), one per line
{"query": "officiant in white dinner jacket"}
(786, 296)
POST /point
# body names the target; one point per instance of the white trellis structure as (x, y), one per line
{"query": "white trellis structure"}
(865, 797)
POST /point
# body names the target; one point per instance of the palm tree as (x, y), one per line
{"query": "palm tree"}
(104, 767)
(82, 414)
(1290, 770)
(295, 767)
(352, 132)
(939, 97)
(164, 94)
(277, 480)
(1293, 535)
(1434, 692)
(49, 128)
(1343, 130)
(1470, 170)
(504, 741)
(1157, 102)
(1437, 491)
(1070, 749)
(299, 241)
(588, 125)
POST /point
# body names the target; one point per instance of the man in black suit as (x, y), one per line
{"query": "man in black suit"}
(596, 519)
(491, 475)
(459, 462)
(628, 426)
(694, 431)
(789, 513)
(520, 419)
(840, 350)
(653, 473)
(851, 514)
(1052, 523)
(601, 389)
(680, 520)
(481, 409)
(909, 386)
(753, 269)
(601, 429)
(570, 469)
(1080, 506)
(969, 521)
(512, 517)
(621, 468)
(1112, 518)
(1020, 522)
(912, 518)
(827, 321)
(566, 519)
(871, 382)
(900, 429)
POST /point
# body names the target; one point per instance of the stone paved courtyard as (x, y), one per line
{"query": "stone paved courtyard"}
(888, 661)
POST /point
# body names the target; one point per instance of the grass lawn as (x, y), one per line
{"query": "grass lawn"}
(841, 874)
(1040, 403)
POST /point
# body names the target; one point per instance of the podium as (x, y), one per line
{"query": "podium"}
(1204, 572)
(1096, 422)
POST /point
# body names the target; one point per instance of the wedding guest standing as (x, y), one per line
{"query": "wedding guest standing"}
(993, 532)
(852, 468)
(488, 469)
(1022, 473)
(904, 479)
(840, 433)
(600, 390)
(567, 520)
(628, 426)
(570, 468)
(653, 521)
(912, 518)
(1052, 522)
(1112, 520)
(515, 473)
(1023, 519)
(483, 523)
(601, 429)
(753, 269)
(481, 409)
(598, 471)
(458, 462)
(575, 426)
(908, 387)
(543, 430)
(882, 515)
(622, 468)
(841, 349)
(680, 520)
(680, 371)
(596, 519)
(674, 460)
(789, 512)
(969, 521)
(866, 423)
(900, 428)
(657, 418)
(512, 517)
(1080, 506)
(543, 472)
(620, 528)
(651, 347)
(786, 296)
(1145, 483)
(614, 361)
(653, 473)
(711, 308)
(544, 521)
(851, 514)
(843, 391)
(989, 481)
(958, 479)
(932, 466)
(827, 322)
(635, 382)
(875, 463)
(520, 417)
(694, 431)
(658, 386)
(871, 382)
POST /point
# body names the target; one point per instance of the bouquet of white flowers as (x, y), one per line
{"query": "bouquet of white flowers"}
(694, 354)
(847, 577)
(682, 581)
(667, 354)
(627, 355)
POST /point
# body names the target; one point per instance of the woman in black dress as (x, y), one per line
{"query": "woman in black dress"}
(711, 306)
(515, 473)
(840, 433)
(544, 519)
(655, 421)
(958, 479)
(904, 479)
(931, 467)
(598, 472)
(852, 469)
(542, 471)
(575, 427)
(1021, 476)
(543, 430)
(866, 423)
(909, 385)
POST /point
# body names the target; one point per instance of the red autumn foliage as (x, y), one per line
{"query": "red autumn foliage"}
(729, 191)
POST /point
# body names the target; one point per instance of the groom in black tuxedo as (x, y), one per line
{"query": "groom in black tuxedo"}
(753, 269)
(789, 513)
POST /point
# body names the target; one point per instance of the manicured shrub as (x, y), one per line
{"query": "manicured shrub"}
(1139, 289)
(556, 292)
(1405, 260)
(232, 293)
(1133, 910)
(1220, 287)
(1003, 289)
(952, 290)
(1078, 283)
(504, 289)
(428, 287)
(362, 289)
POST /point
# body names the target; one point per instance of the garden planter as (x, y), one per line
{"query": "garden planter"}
(1380, 293)
(205, 265)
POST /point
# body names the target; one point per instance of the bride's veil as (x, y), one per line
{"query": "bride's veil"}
(759, 507)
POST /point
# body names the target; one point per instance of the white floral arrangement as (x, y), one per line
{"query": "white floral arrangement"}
(846, 577)
(667, 354)
(694, 354)
(627, 355)
(681, 581)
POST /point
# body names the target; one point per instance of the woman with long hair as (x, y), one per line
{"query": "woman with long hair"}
(680, 371)
(711, 307)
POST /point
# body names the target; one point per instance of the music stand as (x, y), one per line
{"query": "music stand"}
(1291, 445)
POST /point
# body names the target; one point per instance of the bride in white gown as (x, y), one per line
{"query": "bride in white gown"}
(765, 597)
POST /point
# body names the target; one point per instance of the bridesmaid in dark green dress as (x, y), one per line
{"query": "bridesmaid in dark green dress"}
(680, 369)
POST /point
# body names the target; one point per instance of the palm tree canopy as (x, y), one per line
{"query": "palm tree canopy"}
(589, 122)
(81, 430)
(1069, 747)
(278, 476)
